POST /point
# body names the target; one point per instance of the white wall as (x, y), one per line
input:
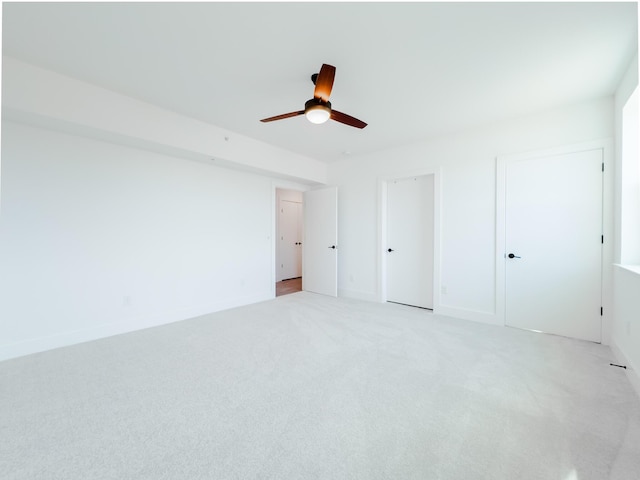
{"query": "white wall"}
(467, 162)
(98, 239)
(625, 329)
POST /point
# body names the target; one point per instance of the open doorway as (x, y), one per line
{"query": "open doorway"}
(289, 228)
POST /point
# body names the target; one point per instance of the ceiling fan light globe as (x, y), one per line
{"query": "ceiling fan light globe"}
(317, 113)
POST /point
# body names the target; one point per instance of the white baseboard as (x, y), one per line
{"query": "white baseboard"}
(631, 371)
(468, 314)
(120, 326)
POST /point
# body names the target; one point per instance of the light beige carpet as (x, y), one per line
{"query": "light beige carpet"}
(312, 387)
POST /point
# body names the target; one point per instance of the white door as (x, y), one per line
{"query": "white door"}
(553, 228)
(320, 264)
(410, 240)
(290, 239)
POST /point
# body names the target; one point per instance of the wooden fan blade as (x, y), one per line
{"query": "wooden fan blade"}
(347, 119)
(283, 116)
(324, 82)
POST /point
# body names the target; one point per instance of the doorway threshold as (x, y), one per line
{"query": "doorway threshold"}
(290, 285)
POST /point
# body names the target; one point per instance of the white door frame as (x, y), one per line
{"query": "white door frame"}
(382, 230)
(606, 145)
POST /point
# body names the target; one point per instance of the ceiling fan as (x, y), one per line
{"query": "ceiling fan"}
(318, 109)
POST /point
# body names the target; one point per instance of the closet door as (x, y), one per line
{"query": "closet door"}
(410, 241)
(553, 242)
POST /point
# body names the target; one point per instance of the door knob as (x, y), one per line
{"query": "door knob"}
(333, 247)
(390, 250)
(511, 255)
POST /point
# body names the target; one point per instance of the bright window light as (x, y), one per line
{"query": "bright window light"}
(630, 188)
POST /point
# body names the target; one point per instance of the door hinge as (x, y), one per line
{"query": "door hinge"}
(601, 238)
(603, 166)
(601, 311)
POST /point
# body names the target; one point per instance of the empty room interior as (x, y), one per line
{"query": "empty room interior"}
(320, 241)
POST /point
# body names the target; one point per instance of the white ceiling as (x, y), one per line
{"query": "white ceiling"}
(410, 70)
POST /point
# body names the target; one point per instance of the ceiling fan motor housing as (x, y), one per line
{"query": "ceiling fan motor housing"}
(315, 102)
